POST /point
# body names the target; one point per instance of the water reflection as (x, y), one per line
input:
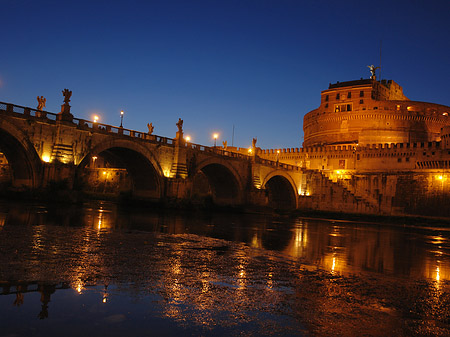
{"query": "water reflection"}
(206, 268)
(339, 247)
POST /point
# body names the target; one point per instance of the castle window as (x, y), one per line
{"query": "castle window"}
(399, 160)
(407, 159)
(361, 93)
(349, 95)
(342, 107)
(361, 101)
(326, 105)
(338, 96)
(326, 98)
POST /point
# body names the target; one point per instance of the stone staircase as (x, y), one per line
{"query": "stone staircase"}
(365, 203)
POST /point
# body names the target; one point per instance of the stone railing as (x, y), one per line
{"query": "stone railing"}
(92, 126)
(83, 124)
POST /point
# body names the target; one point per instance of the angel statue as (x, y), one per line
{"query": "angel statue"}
(180, 125)
(41, 103)
(372, 70)
(254, 142)
(66, 93)
(150, 128)
(225, 144)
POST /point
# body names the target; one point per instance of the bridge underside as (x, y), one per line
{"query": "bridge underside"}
(21, 164)
(281, 194)
(217, 183)
(119, 170)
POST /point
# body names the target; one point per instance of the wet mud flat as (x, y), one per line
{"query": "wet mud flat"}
(194, 285)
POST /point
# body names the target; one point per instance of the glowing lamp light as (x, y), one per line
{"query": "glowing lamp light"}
(95, 119)
(46, 158)
(215, 136)
(188, 138)
(250, 151)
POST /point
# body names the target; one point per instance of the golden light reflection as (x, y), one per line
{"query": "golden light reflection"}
(256, 241)
(270, 280)
(100, 216)
(79, 286)
(333, 266)
(242, 276)
(105, 295)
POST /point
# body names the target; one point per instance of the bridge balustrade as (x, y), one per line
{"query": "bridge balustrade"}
(110, 129)
(12, 108)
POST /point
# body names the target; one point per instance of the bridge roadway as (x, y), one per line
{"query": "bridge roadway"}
(44, 148)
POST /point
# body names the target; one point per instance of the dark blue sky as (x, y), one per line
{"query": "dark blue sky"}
(258, 65)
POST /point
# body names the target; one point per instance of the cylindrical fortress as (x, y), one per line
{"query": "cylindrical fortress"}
(371, 112)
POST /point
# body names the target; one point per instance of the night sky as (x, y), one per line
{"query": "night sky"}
(258, 65)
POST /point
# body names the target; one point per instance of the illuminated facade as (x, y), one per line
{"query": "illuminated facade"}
(368, 111)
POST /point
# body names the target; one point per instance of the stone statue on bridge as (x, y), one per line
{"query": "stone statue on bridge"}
(180, 125)
(150, 128)
(225, 144)
(67, 94)
(41, 103)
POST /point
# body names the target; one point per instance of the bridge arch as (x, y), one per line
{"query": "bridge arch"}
(282, 190)
(142, 169)
(219, 180)
(25, 163)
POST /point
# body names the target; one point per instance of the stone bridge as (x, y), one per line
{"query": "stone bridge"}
(45, 149)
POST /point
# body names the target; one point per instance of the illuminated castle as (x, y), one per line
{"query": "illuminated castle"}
(367, 140)
(368, 111)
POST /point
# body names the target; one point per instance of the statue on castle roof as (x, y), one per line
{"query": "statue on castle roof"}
(41, 103)
(372, 69)
(180, 125)
(254, 140)
(67, 94)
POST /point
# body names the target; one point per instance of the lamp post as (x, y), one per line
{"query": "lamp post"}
(215, 136)
(121, 118)
(95, 119)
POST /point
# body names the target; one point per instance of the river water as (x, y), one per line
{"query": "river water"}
(100, 269)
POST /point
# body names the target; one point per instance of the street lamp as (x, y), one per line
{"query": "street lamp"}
(121, 118)
(215, 136)
(95, 119)
(188, 138)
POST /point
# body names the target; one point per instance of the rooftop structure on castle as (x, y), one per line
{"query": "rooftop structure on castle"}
(368, 111)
